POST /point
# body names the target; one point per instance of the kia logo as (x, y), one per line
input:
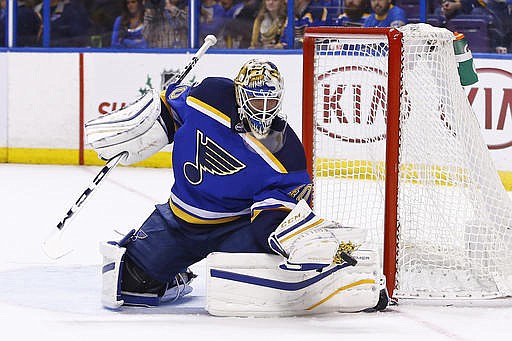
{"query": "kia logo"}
(355, 113)
(491, 100)
(350, 111)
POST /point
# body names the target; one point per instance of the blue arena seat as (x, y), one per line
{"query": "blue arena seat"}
(411, 7)
(433, 20)
(475, 29)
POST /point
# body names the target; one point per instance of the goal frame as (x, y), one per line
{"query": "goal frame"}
(392, 129)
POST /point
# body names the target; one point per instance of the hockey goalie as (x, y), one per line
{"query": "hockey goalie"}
(239, 199)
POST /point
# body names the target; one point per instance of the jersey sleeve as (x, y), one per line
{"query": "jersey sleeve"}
(265, 224)
(397, 17)
(273, 205)
(282, 193)
(176, 102)
(115, 43)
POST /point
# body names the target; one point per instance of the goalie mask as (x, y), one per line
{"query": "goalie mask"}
(258, 90)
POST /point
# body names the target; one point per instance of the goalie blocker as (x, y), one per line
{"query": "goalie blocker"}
(137, 129)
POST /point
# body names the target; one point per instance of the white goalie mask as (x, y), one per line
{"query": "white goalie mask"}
(258, 90)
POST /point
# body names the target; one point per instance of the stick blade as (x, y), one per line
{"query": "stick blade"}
(55, 247)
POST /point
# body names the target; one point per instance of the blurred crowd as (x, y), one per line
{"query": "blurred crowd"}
(247, 24)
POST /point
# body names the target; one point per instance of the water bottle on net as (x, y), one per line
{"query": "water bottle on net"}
(464, 58)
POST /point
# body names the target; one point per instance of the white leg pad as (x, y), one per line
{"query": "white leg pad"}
(242, 284)
(111, 272)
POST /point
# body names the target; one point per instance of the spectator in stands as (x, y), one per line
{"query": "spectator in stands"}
(211, 18)
(3, 19)
(127, 31)
(178, 11)
(69, 23)
(230, 10)
(217, 19)
(307, 13)
(334, 9)
(103, 14)
(164, 24)
(241, 26)
(482, 28)
(413, 8)
(501, 11)
(269, 24)
(385, 14)
(355, 13)
(29, 25)
(451, 8)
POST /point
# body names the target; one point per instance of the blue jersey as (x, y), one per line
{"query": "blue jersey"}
(314, 14)
(395, 17)
(221, 172)
(133, 38)
(344, 20)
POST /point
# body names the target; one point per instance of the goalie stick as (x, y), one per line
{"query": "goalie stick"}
(54, 246)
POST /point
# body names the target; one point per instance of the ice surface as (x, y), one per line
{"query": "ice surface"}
(42, 299)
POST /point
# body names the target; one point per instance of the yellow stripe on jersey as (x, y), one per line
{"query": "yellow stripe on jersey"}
(169, 109)
(162, 97)
(208, 110)
(281, 208)
(482, 3)
(267, 155)
(195, 220)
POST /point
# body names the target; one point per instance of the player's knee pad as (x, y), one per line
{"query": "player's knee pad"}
(134, 129)
(124, 283)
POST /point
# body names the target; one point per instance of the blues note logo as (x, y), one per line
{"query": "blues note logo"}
(212, 158)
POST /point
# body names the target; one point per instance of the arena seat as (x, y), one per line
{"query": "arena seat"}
(475, 29)
(411, 7)
(433, 20)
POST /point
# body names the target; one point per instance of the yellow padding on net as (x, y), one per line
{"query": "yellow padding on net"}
(409, 173)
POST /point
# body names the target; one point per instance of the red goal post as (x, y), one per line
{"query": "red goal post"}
(394, 147)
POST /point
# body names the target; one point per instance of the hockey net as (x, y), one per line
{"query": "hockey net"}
(394, 147)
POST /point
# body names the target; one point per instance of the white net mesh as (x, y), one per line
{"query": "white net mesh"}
(454, 216)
